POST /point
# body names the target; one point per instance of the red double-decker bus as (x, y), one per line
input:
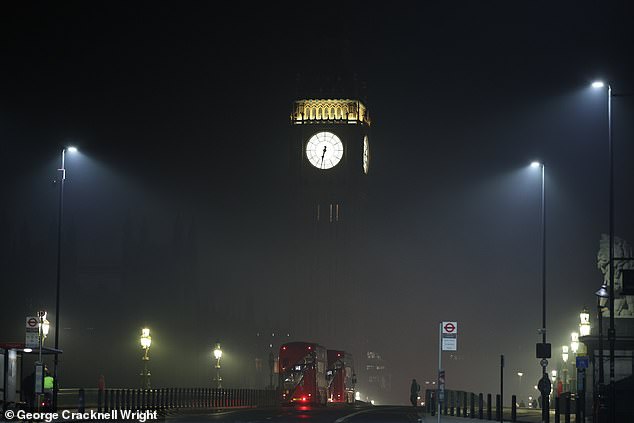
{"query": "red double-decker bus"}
(302, 367)
(340, 376)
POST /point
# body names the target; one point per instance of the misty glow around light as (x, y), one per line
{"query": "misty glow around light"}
(598, 84)
(324, 150)
(535, 164)
(71, 149)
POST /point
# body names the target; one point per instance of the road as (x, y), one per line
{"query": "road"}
(349, 414)
(332, 414)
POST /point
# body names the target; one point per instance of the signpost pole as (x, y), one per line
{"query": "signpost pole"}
(439, 368)
(501, 388)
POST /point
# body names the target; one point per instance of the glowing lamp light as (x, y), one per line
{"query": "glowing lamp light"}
(574, 343)
(535, 164)
(598, 84)
(71, 149)
(146, 339)
(520, 374)
(28, 350)
(584, 323)
(44, 324)
(218, 353)
(564, 353)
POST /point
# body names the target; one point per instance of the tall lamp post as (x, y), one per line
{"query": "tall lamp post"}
(146, 342)
(564, 357)
(611, 331)
(543, 350)
(602, 298)
(218, 356)
(60, 220)
(574, 347)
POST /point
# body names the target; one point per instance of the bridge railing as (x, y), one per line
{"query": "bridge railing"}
(479, 406)
(164, 398)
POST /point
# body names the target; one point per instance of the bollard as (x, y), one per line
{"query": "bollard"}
(100, 400)
(452, 409)
(498, 409)
(513, 408)
(488, 406)
(480, 404)
(112, 403)
(458, 404)
(464, 404)
(82, 401)
(557, 417)
(117, 403)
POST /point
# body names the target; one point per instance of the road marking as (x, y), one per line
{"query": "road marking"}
(343, 419)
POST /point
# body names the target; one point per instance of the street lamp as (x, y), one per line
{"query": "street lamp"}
(60, 220)
(543, 350)
(611, 331)
(602, 298)
(584, 323)
(574, 342)
(564, 357)
(146, 342)
(218, 356)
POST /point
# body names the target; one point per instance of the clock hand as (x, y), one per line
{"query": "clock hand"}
(322, 156)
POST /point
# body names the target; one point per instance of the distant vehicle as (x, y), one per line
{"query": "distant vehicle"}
(303, 373)
(340, 376)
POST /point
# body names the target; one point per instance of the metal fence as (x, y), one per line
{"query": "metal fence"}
(479, 406)
(164, 398)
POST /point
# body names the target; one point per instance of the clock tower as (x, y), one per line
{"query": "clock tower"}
(331, 163)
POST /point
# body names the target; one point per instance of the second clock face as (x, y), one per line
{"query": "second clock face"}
(324, 150)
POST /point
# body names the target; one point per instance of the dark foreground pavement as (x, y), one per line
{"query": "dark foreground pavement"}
(379, 414)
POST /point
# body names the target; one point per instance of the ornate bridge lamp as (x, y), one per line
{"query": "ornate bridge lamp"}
(218, 356)
(146, 342)
(564, 357)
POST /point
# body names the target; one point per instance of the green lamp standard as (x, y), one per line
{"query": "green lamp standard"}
(146, 342)
(218, 356)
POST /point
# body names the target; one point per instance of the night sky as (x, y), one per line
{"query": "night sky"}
(177, 208)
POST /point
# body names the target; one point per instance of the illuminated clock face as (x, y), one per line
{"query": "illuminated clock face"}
(366, 155)
(324, 150)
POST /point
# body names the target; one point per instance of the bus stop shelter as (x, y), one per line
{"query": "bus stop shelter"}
(12, 369)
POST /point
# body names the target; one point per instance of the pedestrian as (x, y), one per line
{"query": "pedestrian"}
(28, 391)
(413, 391)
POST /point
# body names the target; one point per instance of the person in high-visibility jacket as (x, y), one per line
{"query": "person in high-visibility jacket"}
(48, 381)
